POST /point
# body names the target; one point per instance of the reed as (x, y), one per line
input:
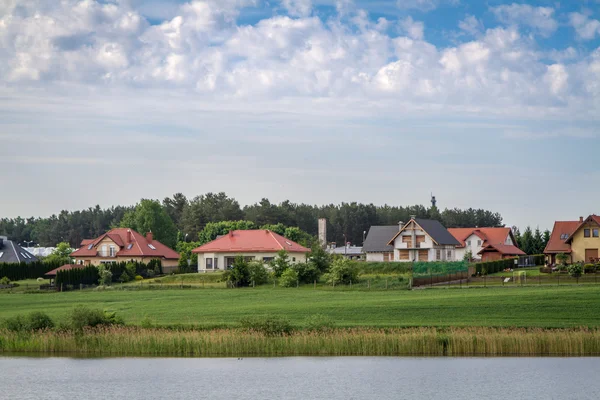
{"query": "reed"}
(134, 341)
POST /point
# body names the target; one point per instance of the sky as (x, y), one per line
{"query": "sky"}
(486, 104)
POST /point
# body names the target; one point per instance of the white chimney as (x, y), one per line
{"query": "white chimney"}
(323, 232)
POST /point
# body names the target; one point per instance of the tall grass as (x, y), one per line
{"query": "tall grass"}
(133, 341)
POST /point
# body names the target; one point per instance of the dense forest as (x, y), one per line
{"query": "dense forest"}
(184, 218)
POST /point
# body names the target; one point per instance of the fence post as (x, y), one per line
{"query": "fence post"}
(253, 283)
(274, 281)
(297, 283)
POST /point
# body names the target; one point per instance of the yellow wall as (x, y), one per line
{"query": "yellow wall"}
(168, 265)
(580, 243)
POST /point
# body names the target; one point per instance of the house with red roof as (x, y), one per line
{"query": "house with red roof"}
(486, 244)
(124, 244)
(262, 245)
(579, 240)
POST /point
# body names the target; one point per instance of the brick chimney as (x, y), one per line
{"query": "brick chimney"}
(128, 236)
(149, 237)
(580, 219)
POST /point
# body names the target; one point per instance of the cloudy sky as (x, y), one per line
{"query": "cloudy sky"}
(488, 104)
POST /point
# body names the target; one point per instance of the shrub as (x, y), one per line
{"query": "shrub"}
(125, 277)
(307, 272)
(34, 321)
(589, 268)
(239, 273)
(319, 323)
(139, 278)
(258, 273)
(131, 270)
(562, 258)
(5, 281)
(267, 325)
(146, 323)
(280, 263)
(575, 270)
(39, 320)
(342, 271)
(84, 317)
(289, 278)
(150, 273)
(105, 276)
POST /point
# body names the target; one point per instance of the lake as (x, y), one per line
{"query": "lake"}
(300, 378)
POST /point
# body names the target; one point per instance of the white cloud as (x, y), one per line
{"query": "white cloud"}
(540, 19)
(585, 27)
(298, 8)
(424, 5)
(471, 25)
(414, 29)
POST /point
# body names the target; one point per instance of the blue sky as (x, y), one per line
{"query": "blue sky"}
(488, 104)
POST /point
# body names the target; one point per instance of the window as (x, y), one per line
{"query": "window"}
(564, 236)
(209, 263)
(595, 232)
(438, 254)
(1, 254)
(151, 246)
(104, 250)
(267, 260)
(112, 251)
(469, 243)
(479, 243)
(449, 255)
(293, 259)
(108, 262)
(216, 265)
(129, 246)
(586, 233)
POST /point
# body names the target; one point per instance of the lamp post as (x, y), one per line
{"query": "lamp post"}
(364, 235)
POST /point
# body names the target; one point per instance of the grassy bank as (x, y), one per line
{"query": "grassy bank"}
(542, 307)
(128, 341)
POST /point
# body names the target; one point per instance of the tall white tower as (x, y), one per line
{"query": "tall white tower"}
(323, 232)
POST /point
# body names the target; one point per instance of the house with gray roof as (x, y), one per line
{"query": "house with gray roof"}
(423, 240)
(11, 252)
(376, 247)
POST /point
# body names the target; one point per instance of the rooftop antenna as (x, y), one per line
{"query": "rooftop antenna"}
(433, 201)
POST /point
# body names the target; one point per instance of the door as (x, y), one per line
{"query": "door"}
(591, 255)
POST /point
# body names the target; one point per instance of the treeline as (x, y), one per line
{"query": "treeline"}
(531, 242)
(190, 216)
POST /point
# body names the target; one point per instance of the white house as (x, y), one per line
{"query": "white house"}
(262, 245)
(423, 240)
(486, 244)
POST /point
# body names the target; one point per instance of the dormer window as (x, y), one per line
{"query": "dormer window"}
(151, 246)
(113, 251)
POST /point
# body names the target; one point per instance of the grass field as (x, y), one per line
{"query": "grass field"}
(544, 307)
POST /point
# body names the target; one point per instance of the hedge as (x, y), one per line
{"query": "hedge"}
(491, 267)
(85, 276)
(22, 270)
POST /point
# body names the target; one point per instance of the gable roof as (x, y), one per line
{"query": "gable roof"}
(557, 242)
(251, 241)
(487, 235)
(438, 233)
(131, 244)
(11, 252)
(592, 218)
(378, 238)
(504, 249)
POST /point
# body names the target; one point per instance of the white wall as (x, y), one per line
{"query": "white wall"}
(375, 257)
(293, 257)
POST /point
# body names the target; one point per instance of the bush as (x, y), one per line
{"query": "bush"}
(307, 272)
(258, 273)
(575, 270)
(139, 278)
(589, 268)
(131, 270)
(146, 323)
(281, 263)
(267, 325)
(342, 271)
(83, 317)
(289, 278)
(5, 281)
(34, 321)
(125, 277)
(319, 323)
(150, 273)
(105, 276)
(239, 273)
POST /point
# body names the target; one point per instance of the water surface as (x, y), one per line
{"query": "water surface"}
(334, 378)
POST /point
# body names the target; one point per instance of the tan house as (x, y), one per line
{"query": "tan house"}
(124, 244)
(580, 240)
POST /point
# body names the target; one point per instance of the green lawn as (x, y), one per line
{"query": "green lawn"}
(570, 306)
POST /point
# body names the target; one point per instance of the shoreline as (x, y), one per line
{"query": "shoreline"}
(338, 342)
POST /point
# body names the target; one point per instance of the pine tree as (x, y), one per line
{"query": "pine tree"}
(538, 242)
(527, 241)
